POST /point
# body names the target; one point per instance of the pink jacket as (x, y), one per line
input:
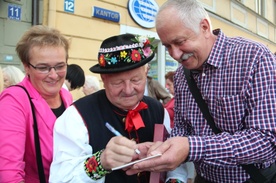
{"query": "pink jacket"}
(17, 147)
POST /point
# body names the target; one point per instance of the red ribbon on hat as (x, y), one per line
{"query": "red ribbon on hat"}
(134, 119)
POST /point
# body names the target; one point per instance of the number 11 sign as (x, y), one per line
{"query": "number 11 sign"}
(14, 12)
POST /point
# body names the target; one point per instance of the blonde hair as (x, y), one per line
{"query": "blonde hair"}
(39, 35)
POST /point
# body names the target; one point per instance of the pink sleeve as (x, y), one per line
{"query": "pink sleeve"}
(12, 135)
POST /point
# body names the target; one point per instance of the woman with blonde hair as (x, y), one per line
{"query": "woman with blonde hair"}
(27, 122)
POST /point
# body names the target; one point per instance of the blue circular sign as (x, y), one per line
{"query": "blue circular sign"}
(143, 12)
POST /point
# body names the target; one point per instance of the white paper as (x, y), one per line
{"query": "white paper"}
(134, 162)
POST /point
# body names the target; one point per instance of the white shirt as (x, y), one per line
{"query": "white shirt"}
(72, 148)
(146, 93)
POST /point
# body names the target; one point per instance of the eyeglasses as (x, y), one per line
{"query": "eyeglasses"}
(44, 69)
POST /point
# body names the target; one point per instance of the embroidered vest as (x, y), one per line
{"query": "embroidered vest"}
(95, 110)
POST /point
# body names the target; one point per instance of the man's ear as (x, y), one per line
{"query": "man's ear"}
(205, 27)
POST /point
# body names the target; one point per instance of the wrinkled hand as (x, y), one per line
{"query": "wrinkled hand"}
(174, 151)
(144, 148)
(119, 150)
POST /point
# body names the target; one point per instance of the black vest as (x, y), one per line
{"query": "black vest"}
(95, 110)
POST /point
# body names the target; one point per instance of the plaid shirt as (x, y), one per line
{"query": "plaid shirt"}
(238, 84)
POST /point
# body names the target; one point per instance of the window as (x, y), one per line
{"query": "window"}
(275, 11)
(260, 7)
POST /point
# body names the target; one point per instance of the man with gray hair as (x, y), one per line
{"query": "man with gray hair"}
(236, 78)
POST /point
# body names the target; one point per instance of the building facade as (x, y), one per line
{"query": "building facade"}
(88, 22)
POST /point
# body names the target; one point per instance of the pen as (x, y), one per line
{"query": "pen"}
(115, 132)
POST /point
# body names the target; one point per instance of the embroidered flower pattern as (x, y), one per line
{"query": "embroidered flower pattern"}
(91, 165)
(135, 56)
(123, 54)
(113, 60)
(140, 49)
(102, 60)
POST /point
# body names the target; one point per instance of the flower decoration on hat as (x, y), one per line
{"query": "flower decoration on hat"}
(132, 52)
(146, 42)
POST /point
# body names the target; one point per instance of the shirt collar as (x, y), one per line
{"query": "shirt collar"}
(218, 49)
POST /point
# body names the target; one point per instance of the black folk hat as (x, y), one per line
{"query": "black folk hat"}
(123, 52)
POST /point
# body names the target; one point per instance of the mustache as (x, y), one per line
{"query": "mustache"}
(186, 56)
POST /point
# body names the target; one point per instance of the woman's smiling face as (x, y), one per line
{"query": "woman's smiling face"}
(47, 84)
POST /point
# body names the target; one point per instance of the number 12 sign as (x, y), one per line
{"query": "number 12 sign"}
(69, 6)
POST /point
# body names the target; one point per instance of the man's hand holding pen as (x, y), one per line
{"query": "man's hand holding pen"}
(115, 132)
(119, 151)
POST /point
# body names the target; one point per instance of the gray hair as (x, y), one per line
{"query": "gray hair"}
(191, 12)
(92, 81)
(14, 74)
